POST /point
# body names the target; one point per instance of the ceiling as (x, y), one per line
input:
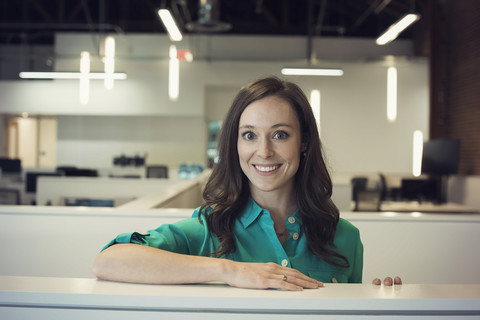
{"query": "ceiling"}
(36, 21)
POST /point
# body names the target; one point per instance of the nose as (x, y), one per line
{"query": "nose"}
(265, 149)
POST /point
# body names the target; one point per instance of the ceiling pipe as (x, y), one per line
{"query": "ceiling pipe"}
(208, 18)
(310, 51)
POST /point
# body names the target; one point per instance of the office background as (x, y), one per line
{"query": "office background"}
(137, 117)
(437, 81)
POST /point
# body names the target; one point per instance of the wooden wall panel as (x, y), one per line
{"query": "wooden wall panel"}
(455, 77)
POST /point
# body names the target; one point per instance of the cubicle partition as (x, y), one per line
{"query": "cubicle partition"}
(48, 252)
(63, 241)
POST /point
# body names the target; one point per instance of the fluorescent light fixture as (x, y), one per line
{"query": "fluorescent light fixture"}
(109, 62)
(417, 153)
(169, 23)
(315, 104)
(395, 29)
(312, 72)
(392, 94)
(71, 75)
(173, 74)
(84, 80)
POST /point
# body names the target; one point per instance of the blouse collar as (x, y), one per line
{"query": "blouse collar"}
(252, 211)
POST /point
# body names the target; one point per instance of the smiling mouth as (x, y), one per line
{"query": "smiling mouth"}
(267, 169)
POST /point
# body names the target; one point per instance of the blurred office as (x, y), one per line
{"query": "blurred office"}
(47, 124)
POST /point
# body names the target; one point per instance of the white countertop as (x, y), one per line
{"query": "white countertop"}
(365, 299)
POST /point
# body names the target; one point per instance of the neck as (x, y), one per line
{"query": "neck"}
(280, 204)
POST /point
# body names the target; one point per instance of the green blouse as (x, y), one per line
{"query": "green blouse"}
(256, 241)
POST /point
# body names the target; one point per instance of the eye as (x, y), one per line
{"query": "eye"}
(281, 135)
(249, 135)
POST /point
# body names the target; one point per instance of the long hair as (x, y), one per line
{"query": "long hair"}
(227, 190)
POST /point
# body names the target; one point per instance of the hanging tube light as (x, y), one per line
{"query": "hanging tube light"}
(84, 80)
(395, 29)
(392, 94)
(109, 62)
(173, 74)
(170, 24)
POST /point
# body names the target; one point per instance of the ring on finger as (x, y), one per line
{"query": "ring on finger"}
(284, 277)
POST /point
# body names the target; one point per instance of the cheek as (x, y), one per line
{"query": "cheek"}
(242, 152)
(294, 153)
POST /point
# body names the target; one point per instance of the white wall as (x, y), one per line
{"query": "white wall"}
(137, 117)
(93, 141)
(464, 190)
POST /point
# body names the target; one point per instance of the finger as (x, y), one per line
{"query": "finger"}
(306, 282)
(298, 278)
(377, 282)
(283, 283)
(388, 281)
(397, 280)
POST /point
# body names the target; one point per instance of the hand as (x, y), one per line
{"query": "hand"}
(388, 281)
(266, 276)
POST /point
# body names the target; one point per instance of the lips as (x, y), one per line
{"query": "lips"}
(266, 168)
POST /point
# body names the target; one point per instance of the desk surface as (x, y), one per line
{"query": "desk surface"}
(414, 206)
(35, 293)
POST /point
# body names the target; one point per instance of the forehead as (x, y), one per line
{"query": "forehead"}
(268, 112)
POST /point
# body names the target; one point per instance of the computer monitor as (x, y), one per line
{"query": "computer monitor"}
(89, 202)
(32, 177)
(440, 156)
(80, 172)
(419, 190)
(439, 160)
(8, 165)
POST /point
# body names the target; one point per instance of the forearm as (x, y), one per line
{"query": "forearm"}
(143, 264)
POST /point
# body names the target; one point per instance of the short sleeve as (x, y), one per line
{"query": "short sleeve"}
(188, 236)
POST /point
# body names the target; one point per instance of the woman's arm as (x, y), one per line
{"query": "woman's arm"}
(142, 264)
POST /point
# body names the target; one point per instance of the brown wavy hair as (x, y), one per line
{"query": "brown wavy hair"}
(227, 189)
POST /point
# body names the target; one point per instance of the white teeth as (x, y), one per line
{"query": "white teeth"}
(266, 169)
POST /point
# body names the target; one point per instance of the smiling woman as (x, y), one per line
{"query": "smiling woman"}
(269, 146)
(268, 219)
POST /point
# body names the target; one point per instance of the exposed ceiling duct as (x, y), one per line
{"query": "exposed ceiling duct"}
(208, 18)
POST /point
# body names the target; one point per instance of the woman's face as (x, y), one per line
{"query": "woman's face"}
(269, 145)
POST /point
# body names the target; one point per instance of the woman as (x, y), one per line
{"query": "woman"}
(268, 219)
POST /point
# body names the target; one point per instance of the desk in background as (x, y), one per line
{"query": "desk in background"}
(426, 207)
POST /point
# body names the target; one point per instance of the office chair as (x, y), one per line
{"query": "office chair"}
(9, 196)
(158, 171)
(368, 200)
(365, 200)
(358, 184)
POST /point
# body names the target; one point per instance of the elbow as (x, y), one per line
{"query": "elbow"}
(100, 267)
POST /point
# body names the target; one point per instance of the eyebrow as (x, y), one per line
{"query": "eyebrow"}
(278, 125)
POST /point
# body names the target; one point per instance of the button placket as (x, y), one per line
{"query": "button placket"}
(293, 228)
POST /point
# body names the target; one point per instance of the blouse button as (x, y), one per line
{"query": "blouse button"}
(284, 262)
(295, 236)
(291, 219)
